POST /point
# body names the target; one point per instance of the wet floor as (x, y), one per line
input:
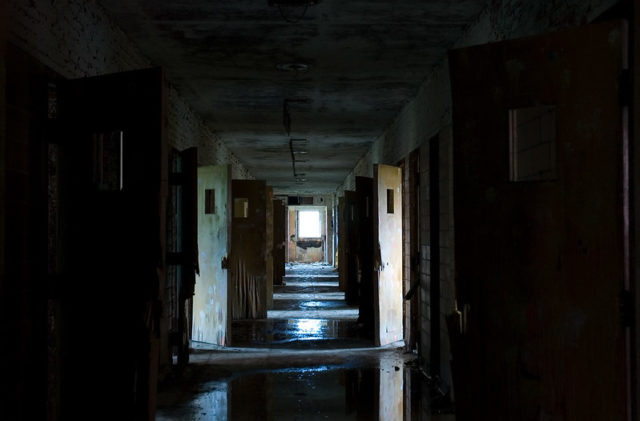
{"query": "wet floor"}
(309, 311)
(303, 366)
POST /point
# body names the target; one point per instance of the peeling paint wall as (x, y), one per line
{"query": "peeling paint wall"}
(429, 113)
(78, 39)
(211, 289)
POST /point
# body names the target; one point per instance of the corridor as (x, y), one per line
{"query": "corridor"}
(318, 209)
(309, 312)
(306, 361)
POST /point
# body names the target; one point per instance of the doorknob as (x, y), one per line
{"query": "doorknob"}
(224, 264)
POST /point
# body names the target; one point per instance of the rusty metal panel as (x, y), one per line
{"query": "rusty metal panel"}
(388, 254)
(540, 264)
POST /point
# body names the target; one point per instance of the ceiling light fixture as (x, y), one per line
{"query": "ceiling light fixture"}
(299, 142)
(293, 67)
(292, 10)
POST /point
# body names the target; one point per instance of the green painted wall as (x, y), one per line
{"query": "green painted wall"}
(210, 299)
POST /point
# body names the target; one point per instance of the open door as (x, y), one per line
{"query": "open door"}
(182, 256)
(364, 189)
(342, 245)
(268, 255)
(352, 222)
(387, 233)
(412, 178)
(248, 249)
(541, 227)
(279, 240)
(211, 320)
(112, 188)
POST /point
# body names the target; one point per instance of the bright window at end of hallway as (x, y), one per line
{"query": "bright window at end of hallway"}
(309, 224)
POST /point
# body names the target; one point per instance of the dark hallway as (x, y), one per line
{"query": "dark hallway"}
(318, 209)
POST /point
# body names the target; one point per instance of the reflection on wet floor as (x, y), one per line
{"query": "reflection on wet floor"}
(298, 333)
(322, 385)
(309, 363)
(309, 311)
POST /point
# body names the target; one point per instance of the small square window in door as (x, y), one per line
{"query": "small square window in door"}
(241, 207)
(108, 167)
(390, 198)
(209, 201)
(532, 144)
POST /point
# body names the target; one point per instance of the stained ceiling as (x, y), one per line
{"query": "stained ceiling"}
(365, 59)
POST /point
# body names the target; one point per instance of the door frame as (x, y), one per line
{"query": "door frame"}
(634, 156)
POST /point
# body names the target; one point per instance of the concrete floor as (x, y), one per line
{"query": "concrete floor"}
(301, 366)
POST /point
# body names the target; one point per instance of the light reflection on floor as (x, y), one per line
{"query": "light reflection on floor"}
(374, 390)
(307, 327)
(307, 361)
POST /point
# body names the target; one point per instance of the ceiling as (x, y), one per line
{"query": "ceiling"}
(365, 58)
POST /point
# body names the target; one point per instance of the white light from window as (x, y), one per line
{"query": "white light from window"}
(309, 224)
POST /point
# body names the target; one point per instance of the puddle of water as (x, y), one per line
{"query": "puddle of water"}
(307, 332)
(388, 391)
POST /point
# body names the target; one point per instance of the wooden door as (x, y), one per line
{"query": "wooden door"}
(364, 188)
(387, 233)
(279, 240)
(182, 256)
(540, 200)
(112, 184)
(351, 225)
(211, 320)
(248, 248)
(413, 214)
(342, 244)
(268, 246)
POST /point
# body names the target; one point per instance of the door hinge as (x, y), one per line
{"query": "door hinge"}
(626, 308)
(625, 87)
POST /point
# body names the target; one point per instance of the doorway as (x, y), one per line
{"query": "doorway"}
(307, 234)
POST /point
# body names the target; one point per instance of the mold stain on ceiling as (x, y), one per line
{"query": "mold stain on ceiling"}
(364, 59)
